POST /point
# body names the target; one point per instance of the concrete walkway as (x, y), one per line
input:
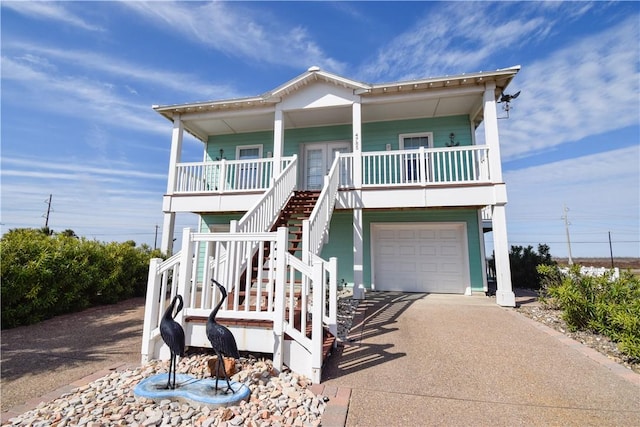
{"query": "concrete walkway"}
(419, 359)
(41, 359)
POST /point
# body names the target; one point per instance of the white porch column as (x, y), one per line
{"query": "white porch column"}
(504, 293)
(358, 255)
(168, 226)
(176, 152)
(278, 141)
(491, 132)
(357, 144)
(166, 245)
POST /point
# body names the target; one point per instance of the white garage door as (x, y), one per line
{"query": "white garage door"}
(419, 257)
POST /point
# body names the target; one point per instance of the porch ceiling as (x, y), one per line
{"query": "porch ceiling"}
(204, 124)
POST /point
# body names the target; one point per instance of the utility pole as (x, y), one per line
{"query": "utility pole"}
(565, 217)
(48, 202)
(155, 241)
(611, 250)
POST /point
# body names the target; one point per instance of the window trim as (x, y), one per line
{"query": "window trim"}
(402, 136)
(248, 147)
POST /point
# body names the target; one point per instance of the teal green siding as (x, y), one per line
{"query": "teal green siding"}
(340, 244)
(341, 238)
(375, 136)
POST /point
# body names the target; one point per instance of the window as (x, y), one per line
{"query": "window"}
(249, 173)
(414, 141)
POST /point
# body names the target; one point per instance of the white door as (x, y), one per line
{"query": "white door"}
(248, 174)
(318, 158)
(420, 257)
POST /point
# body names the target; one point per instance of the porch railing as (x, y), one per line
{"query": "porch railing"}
(225, 175)
(315, 229)
(425, 166)
(289, 293)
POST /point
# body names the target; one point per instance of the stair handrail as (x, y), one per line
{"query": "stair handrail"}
(265, 211)
(315, 229)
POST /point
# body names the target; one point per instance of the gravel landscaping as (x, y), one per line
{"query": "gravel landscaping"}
(601, 343)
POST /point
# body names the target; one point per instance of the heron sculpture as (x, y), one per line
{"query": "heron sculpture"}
(221, 338)
(173, 335)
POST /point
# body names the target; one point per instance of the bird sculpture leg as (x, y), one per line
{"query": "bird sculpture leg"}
(169, 376)
(220, 367)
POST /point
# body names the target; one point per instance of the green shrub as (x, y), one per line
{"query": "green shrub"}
(44, 275)
(524, 262)
(601, 304)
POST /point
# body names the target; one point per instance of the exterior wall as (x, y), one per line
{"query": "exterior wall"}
(375, 136)
(229, 143)
(470, 216)
(340, 244)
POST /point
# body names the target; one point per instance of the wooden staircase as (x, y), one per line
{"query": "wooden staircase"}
(297, 209)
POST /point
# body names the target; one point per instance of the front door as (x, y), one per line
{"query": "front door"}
(318, 158)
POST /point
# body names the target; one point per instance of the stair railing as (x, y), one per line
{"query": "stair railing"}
(261, 217)
(316, 228)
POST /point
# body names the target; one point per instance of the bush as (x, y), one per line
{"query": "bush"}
(601, 304)
(44, 275)
(524, 262)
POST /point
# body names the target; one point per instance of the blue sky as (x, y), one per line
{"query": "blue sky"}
(79, 79)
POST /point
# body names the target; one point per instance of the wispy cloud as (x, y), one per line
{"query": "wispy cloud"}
(42, 56)
(241, 31)
(93, 200)
(77, 96)
(53, 11)
(613, 176)
(450, 40)
(587, 88)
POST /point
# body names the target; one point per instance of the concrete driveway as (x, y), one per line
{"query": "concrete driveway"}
(420, 359)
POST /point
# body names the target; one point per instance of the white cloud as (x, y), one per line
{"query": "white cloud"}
(449, 40)
(601, 190)
(117, 203)
(40, 55)
(77, 96)
(587, 88)
(238, 30)
(54, 11)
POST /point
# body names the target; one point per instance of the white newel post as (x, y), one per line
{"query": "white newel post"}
(151, 310)
(357, 144)
(279, 300)
(278, 141)
(504, 293)
(185, 274)
(316, 327)
(166, 244)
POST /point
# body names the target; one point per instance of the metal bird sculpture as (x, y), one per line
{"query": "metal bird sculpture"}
(508, 98)
(221, 338)
(173, 335)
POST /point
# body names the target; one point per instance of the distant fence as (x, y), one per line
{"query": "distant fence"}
(595, 271)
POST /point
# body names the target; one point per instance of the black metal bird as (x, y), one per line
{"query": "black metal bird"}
(173, 335)
(508, 98)
(221, 338)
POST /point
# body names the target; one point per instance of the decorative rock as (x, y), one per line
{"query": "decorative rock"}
(276, 399)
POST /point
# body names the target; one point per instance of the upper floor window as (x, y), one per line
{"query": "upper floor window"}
(410, 141)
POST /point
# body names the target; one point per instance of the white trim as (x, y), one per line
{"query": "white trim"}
(326, 146)
(248, 147)
(462, 225)
(402, 136)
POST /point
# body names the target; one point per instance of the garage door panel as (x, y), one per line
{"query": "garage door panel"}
(420, 257)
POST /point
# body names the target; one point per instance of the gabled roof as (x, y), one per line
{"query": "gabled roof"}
(461, 89)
